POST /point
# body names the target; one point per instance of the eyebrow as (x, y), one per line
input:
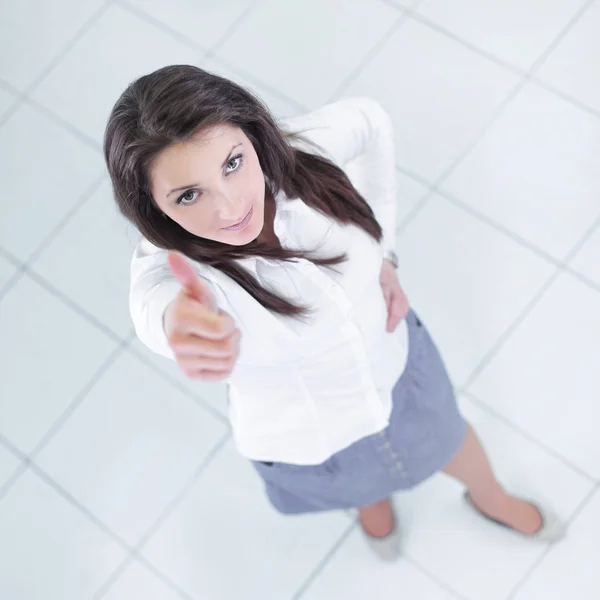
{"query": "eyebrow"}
(192, 185)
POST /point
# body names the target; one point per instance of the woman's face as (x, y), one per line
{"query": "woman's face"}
(212, 185)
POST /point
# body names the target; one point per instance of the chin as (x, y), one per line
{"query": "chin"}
(241, 238)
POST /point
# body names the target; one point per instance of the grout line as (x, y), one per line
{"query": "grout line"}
(495, 116)
(369, 56)
(66, 49)
(488, 357)
(10, 88)
(160, 575)
(414, 176)
(560, 36)
(132, 551)
(471, 397)
(433, 577)
(11, 258)
(13, 108)
(574, 251)
(526, 77)
(11, 282)
(72, 304)
(521, 241)
(233, 26)
(322, 564)
(112, 578)
(199, 400)
(255, 81)
(80, 201)
(550, 547)
(211, 53)
(164, 515)
(582, 278)
(181, 495)
(80, 507)
(19, 470)
(412, 215)
(166, 29)
(58, 120)
(482, 217)
(467, 44)
(77, 401)
(4, 488)
(534, 80)
(561, 268)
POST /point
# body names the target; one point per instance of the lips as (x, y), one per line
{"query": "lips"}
(242, 223)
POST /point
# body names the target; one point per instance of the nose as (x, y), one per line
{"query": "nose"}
(230, 208)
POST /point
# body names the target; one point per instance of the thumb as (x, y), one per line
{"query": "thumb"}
(190, 280)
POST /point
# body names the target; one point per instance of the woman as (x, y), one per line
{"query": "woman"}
(337, 393)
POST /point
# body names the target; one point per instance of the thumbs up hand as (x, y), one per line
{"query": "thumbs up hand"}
(205, 340)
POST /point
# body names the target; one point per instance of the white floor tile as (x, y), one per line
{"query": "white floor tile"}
(48, 354)
(214, 394)
(49, 550)
(278, 106)
(139, 582)
(34, 32)
(455, 545)
(355, 573)
(438, 93)
(89, 260)
(534, 171)
(6, 101)
(226, 541)
(8, 464)
(44, 172)
(294, 48)
(136, 48)
(545, 378)
(405, 4)
(468, 281)
(524, 467)
(571, 568)
(516, 31)
(410, 195)
(572, 67)
(7, 270)
(203, 21)
(587, 260)
(130, 447)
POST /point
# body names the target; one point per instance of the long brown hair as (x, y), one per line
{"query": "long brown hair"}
(172, 104)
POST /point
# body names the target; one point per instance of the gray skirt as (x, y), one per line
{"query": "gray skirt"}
(425, 432)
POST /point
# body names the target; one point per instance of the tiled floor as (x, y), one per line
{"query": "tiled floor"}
(118, 479)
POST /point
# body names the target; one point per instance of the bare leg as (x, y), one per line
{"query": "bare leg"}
(378, 519)
(472, 467)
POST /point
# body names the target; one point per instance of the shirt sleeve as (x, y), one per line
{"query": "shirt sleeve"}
(153, 286)
(357, 135)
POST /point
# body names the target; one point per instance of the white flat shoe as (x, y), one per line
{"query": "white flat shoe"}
(386, 548)
(552, 529)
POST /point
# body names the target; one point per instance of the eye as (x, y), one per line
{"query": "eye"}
(235, 162)
(188, 197)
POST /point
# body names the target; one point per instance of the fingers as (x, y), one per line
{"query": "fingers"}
(193, 365)
(192, 346)
(193, 318)
(208, 360)
(397, 310)
(190, 280)
(210, 376)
